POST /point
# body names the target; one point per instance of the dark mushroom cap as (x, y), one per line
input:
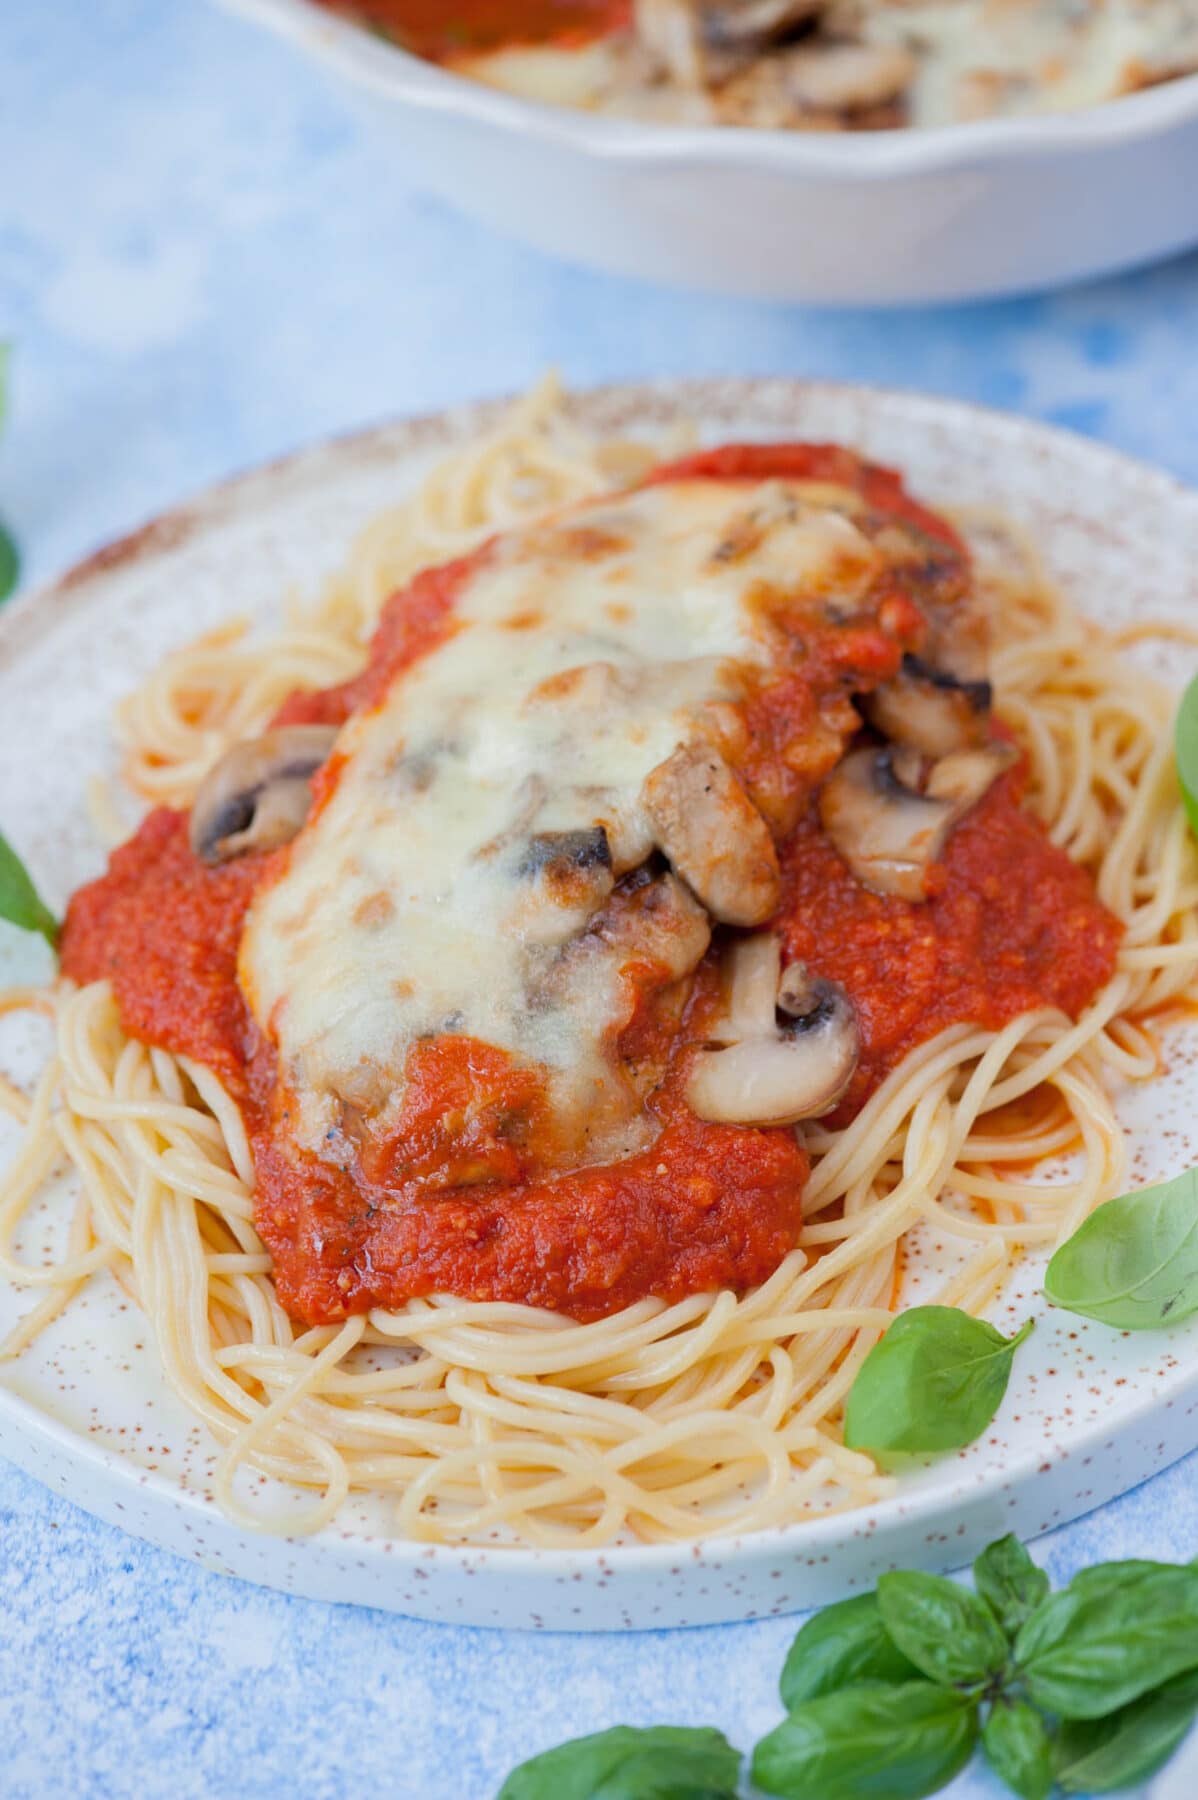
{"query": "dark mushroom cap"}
(890, 819)
(258, 795)
(930, 709)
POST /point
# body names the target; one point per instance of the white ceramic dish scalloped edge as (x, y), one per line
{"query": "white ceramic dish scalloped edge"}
(874, 218)
(1089, 1414)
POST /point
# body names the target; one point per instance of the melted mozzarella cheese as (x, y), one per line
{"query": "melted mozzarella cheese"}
(982, 57)
(582, 654)
(972, 58)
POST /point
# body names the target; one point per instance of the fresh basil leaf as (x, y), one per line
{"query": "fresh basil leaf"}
(20, 902)
(1133, 1263)
(840, 1647)
(660, 1762)
(1185, 750)
(1102, 1642)
(10, 565)
(1104, 1578)
(1009, 1582)
(892, 1743)
(947, 1632)
(1096, 1756)
(932, 1383)
(1018, 1748)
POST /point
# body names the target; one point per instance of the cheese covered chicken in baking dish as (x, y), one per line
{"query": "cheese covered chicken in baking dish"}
(802, 64)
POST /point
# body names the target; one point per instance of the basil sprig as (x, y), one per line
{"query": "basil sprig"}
(20, 902)
(10, 562)
(661, 1762)
(932, 1383)
(888, 1694)
(1185, 751)
(1133, 1263)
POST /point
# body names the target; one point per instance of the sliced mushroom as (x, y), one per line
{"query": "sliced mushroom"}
(789, 1044)
(841, 78)
(649, 919)
(714, 836)
(564, 878)
(557, 854)
(930, 708)
(258, 795)
(653, 919)
(890, 821)
(754, 22)
(962, 778)
(694, 41)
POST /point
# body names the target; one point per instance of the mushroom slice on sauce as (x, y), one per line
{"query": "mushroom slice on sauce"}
(890, 823)
(713, 835)
(930, 708)
(789, 1044)
(258, 795)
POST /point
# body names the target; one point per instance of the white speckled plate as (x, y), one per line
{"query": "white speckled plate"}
(1089, 1412)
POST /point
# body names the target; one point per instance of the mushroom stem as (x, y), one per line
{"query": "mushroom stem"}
(788, 1044)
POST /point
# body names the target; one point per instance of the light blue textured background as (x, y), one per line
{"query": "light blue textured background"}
(204, 261)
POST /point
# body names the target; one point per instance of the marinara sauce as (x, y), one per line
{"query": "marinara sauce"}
(444, 29)
(1011, 925)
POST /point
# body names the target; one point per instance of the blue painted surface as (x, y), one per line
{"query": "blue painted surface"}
(205, 260)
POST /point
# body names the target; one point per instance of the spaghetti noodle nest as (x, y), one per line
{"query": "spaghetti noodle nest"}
(717, 1414)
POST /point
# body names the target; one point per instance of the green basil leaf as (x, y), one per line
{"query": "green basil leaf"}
(1018, 1748)
(1009, 1582)
(840, 1647)
(10, 564)
(1185, 750)
(1134, 1262)
(932, 1383)
(1105, 1578)
(660, 1762)
(1105, 1640)
(20, 902)
(1095, 1756)
(892, 1743)
(950, 1635)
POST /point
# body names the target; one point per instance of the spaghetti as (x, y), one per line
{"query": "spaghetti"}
(718, 1413)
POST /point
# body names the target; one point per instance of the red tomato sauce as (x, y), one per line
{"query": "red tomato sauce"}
(1012, 925)
(445, 29)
